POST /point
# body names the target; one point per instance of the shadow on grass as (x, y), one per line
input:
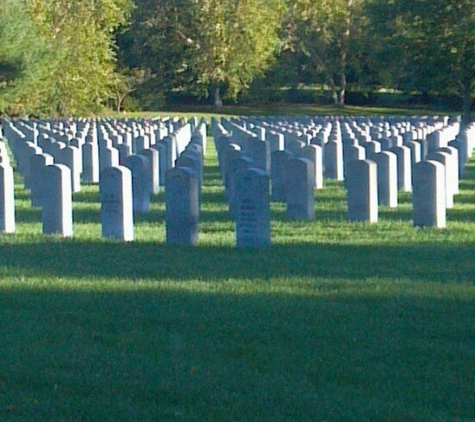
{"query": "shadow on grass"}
(161, 355)
(213, 198)
(215, 210)
(399, 214)
(208, 216)
(87, 196)
(28, 215)
(464, 199)
(461, 215)
(157, 261)
(299, 110)
(212, 174)
(22, 194)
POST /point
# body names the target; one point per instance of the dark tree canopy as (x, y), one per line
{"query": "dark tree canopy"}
(425, 45)
(67, 57)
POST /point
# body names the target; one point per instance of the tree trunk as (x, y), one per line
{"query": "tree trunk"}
(341, 99)
(218, 102)
(118, 102)
(343, 54)
(335, 97)
(334, 90)
(467, 103)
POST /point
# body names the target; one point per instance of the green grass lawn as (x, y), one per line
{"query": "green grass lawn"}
(334, 322)
(288, 110)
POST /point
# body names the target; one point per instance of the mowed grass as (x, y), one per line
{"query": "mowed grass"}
(282, 109)
(335, 322)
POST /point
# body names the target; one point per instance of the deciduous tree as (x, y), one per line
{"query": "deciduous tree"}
(322, 30)
(64, 51)
(205, 44)
(427, 45)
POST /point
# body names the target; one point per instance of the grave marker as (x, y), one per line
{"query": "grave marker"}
(386, 162)
(428, 197)
(57, 211)
(253, 210)
(362, 185)
(445, 159)
(38, 164)
(108, 157)
(237, 164)
(154, 175)
(279, 174)
(299, 189)
(404, 168)
(454, 160)
(182, 206)
(333, 159)
(141, 184)
(259, 151)
(117, 218)
(90, 159)
(70, 157)
(7, 199)
(313, 153)
(352, 153)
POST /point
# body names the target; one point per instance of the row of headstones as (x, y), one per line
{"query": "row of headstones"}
(258, 151)
(319, 131)
(125, 187)
(293, 176)
(306, 129)
(98, 145)
(182, 198)
(87, 154)
(247, 218)
(121, 131)
(351, 144)
(339, 143)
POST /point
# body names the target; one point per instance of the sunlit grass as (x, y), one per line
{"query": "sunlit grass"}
(208, 111)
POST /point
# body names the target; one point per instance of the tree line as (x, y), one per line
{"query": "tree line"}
(68, 57)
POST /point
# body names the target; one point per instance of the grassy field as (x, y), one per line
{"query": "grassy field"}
(334, 322)
(286, 110)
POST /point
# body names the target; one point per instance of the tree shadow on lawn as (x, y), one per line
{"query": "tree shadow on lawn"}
(157, 261)
(279, 109)
(127, 355)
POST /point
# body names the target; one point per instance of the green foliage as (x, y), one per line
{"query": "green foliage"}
(323, 31)
(124, 84)
(426, 45)
(236, 42)
(198, 45)
(64, 50)
(154, 43)
(58, 57)
(17, 46)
